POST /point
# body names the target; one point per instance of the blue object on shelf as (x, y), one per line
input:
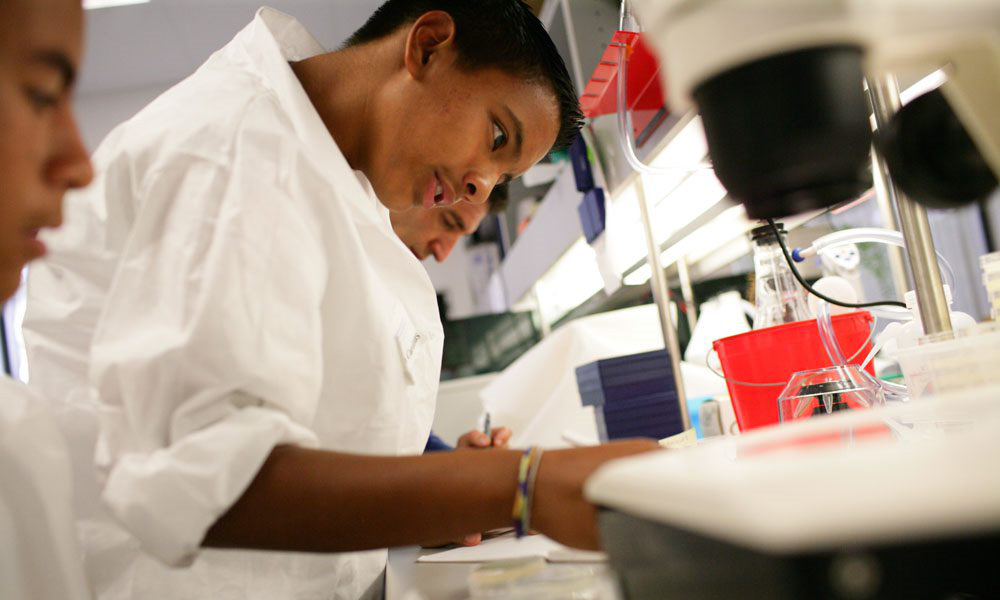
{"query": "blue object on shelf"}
(592, 214)
(694, 410)
(582, 171)
(632, 396)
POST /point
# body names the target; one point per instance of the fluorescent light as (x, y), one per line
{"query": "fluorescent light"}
(679, 203)
(688, 201)
(721, 230)
(677, 198)
(928, 83)
(570, 282)
(687, 149)
(702, 241)
(95, 4)
(640, 276)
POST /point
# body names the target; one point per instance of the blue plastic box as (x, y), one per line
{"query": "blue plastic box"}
(593, 218)
(582, 173)
(632, 396)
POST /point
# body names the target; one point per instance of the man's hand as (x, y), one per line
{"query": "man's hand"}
(559, 509)
(500, 438)
(473, 539)
(473, 440)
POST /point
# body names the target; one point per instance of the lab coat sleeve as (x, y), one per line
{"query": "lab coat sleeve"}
(39, 555)
(208, 351)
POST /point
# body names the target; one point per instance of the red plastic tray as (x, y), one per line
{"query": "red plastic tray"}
(645, 96)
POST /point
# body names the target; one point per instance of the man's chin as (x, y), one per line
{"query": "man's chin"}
(10, 280)
(393, 200)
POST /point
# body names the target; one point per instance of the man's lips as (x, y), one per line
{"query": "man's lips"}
(437, 193)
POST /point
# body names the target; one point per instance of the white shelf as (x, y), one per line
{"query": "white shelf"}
(553, 229)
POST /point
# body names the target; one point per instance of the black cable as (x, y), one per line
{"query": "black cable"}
(984, 216)
(3, 344)
(809, 288)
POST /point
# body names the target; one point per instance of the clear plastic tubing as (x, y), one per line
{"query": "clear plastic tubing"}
(861, 235)
(625, 127)
(828, 336)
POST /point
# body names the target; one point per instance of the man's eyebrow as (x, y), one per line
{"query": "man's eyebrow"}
(518, 132)
(60, 62)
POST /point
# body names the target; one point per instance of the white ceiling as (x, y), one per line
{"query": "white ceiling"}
(162, 42)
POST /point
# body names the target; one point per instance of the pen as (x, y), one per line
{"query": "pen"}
(487, 430)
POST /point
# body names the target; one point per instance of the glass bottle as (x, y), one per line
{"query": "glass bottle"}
(778, 296)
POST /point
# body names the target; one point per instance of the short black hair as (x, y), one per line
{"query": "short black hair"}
(501, 34)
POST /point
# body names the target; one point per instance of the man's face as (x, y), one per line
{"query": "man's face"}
(41, 154)
(435, 231)
(444, 134)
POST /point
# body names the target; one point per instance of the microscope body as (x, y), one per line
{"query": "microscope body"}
(779, 86)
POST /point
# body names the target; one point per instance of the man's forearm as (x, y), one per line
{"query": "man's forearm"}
(316, 501)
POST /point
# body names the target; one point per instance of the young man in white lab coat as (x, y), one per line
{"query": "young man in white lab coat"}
(41, 156)
(262, 349)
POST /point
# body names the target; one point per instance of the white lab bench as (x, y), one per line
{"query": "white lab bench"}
(434, 581)
(408, 579)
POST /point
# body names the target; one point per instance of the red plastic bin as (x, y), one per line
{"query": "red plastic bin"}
(645, 96)
(773, 355)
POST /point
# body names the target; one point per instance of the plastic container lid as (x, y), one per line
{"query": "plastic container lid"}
(990, 261)
(533, 579)
(505, 572)
(765, 233)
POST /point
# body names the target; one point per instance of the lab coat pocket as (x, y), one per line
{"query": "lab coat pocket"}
(410, 343)
(417, 348)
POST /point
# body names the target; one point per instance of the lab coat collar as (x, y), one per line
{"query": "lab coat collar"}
(274, 39)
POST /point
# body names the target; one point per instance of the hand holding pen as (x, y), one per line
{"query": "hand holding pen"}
(489, 437)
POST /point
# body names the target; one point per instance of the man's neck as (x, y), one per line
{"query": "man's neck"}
(342, 98)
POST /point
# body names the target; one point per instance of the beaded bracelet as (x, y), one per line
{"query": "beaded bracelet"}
(526, 472)
(532, 476)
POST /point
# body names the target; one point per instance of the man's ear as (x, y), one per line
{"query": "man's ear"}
(431, 37)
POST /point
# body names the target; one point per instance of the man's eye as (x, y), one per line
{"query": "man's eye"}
(40, 99)
(499, 137)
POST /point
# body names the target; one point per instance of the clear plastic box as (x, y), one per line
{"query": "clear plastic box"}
(990, 264)
(952, 361)
(534, 579)
(827, 391)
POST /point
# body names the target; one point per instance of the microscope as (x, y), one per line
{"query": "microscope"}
(779, 85)
(788, 92)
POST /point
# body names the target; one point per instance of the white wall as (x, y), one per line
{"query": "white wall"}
(451, 278)
(99, 113)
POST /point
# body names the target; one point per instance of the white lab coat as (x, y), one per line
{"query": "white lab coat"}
(39, 555)
(232, 285)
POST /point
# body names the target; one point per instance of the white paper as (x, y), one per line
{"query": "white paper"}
(686, 439)
(537, 396)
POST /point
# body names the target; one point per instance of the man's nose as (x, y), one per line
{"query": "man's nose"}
(442, 248)
(70, 165)
(477, 188)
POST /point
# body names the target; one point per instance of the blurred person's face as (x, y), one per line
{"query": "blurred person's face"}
(41, 154)
(435, 231)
